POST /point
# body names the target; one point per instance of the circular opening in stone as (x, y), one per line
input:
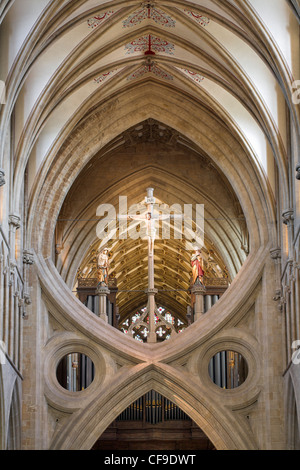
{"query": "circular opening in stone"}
(228, 369)
(75, 372)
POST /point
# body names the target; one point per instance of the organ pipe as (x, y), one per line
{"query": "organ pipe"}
(227, 369)
(152, 408)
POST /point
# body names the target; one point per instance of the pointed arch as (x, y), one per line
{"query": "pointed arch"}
(85, 429)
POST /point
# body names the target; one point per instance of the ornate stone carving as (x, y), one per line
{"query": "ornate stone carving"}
(58, 248)
(288, 217)
(102, 291)
(2, 179)
(14, 221)
(12, 272)
(277, 295)
(281, 301)
(298, 171)
(275, 254)
(28, 257)
(149, 131)
(27, 299)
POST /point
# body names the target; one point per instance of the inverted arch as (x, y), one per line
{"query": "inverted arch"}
(85, 429)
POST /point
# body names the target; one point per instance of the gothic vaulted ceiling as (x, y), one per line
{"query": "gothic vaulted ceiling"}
(85, 60)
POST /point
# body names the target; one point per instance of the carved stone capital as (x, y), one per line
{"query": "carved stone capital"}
(298, 171)
(28, 257)
(275, 254)
(27, 299)
(245, 248)
(288, 216)
(12, 272)
(58, 248)
(14, 221)
(277, 295)
(198, 289)
(2, 177)
(281, 304)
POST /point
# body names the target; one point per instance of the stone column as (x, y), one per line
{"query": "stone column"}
(198, 290)
(276, 256)
(151, 309)
(189, 315)
(102, 292)
(28, 260)
(288, 219)
(14, 225)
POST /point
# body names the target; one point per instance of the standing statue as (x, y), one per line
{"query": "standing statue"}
(103, 266)
(197, 265)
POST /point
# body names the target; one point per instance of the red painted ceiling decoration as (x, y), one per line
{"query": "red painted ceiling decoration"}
(103, 76)
(98, 19)
(150, 67)
(200, 19)
(150, 12)
(193, 75)
(149, 45)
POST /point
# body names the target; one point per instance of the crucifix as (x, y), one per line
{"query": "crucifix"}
(149, 218)
(151, 232)
(151, 312)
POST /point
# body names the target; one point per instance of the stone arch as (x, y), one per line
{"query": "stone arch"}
(14, 420)
(47, 193)
(85, 429)
(271, 134)
(292, 410)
